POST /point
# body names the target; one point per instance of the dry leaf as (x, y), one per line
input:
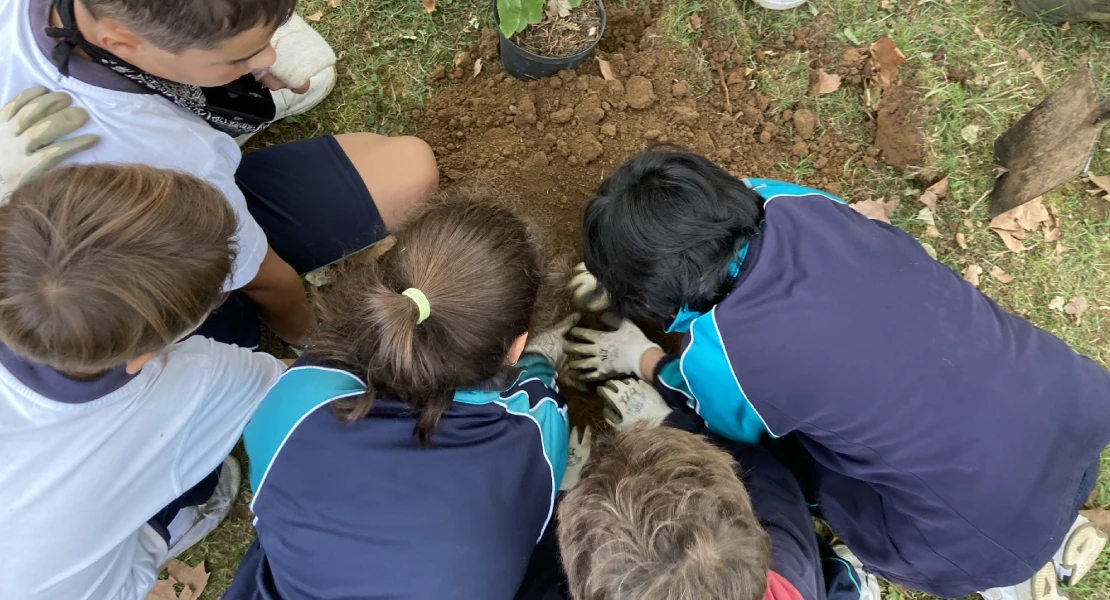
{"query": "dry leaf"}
(888, 58)
(163, 590)
(1099, 517)
(1038, 70)
(940, 29)
(1058, 253)
(695, 21)
(1000, 275)
(1011, 242)
(1023, 54)
(429, 6)
(970, 134)
(886, 5)
(1076, 307)
(930, 250)
(1102, 181)
(1051, 235)
(979, 32)
(316, 16)
(961, 240)
(606, 69)
(1027, 217)
(876, 209)
(334, 3)
(1055, 215)
(1056, 303)
(557, 8)
(194, 578)
(972, 273)
(826, 83)
(477, 67)
(937, 190)
(926, 216)
(932, 231)
(969, 224)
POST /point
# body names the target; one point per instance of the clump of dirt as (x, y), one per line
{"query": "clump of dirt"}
(562, 36)
(898, 128)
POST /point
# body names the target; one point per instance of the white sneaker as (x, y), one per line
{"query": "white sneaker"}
(288, 104)
(192, 523)
(1079, 552)
(1042, 586)
(868, 583)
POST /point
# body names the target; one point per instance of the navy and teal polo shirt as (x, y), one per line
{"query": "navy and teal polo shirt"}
(951, 441)
(362, 510)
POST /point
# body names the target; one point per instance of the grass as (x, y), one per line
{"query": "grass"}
(963, 57)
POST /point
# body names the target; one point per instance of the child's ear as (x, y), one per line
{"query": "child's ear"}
(136, 364)
(517, 349)
(116, 38)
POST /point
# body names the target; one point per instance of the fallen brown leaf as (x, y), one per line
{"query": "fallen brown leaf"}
(939, 29)
(1038, 70)
(876, 209)
(1076, 307)
(429, 6)
(932, 231)
(885, 5)
(888, 58)
(1099, 517)
(606, 69)
(334, 3)
(1057, 303)
(1012, 243)
(163, 590)
(1000, 275)
(1058, 253)
(1027, 217)
(969, 223)
(1055, 215)
(477, 67)
(1051, 235)
(826, 83)
(316, 16)
(972, 273)
(695, 21)
(194, 578)
(1065, 27)
(1023, 54)
(937, 190)
(961, 240)
(1102, 181)
(979, 32)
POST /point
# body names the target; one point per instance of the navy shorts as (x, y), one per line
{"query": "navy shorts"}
(315, 209)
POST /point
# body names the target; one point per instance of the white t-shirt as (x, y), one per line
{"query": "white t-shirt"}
(78, 479)
(138, 128)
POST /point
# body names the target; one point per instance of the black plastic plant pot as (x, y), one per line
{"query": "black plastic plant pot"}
(522, 64)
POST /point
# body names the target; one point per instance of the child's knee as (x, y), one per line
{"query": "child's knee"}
(422, 162)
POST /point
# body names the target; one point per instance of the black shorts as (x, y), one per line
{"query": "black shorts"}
(315, 209)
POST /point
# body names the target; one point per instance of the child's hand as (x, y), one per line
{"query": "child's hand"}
(30, 127)
(609, 353)
(549, 344)
(584, 287)
(578, 452)
(631, 401)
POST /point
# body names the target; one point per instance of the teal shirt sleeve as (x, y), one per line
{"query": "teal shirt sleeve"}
(537, 396)
(718, 396)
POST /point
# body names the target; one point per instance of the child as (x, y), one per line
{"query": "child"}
(104, 419)
(660, 514)
(416, 450)
(935, 421)
(169, 84)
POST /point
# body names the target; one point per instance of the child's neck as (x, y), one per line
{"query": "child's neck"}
(84, 23)
(81, 376)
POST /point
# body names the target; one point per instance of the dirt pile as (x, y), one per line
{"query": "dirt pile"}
(551, 142)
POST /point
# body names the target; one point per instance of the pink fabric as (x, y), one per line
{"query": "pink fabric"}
(779, 588)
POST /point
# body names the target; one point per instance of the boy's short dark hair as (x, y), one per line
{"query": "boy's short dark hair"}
(663, 231)
(179, 25)
(659, 514)
(100, 264)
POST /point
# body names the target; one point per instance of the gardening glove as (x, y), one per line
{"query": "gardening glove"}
(549, 344)
(578, 452)
(584, 287)
(631, 401)
(609, 353)
(30, 126)
(301, 53)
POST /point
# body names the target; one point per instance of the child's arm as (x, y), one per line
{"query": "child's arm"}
(280, 295)
(537, 395)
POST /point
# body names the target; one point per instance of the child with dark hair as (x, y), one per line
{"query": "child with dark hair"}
(932, 420)
(416, 449)
(180, 84)
(108, 415)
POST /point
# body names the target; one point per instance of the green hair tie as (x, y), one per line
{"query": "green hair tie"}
(423, 307)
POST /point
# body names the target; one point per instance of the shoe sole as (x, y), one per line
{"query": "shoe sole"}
(1082, 550)
(208, 520)
(1043, 584)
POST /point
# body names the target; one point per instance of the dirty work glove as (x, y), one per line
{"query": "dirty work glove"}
(30, 126)
(549, 344)
(584, 287)
(578, 452)
(631, 401)
(301, 53)
(609, 353)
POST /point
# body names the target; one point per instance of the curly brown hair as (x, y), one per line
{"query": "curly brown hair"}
(660, 514)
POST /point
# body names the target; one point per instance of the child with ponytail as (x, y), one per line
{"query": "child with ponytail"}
(417, 448)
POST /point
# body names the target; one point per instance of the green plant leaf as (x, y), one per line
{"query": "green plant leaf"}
(532, 11)
(510, 14)
(575, 3)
